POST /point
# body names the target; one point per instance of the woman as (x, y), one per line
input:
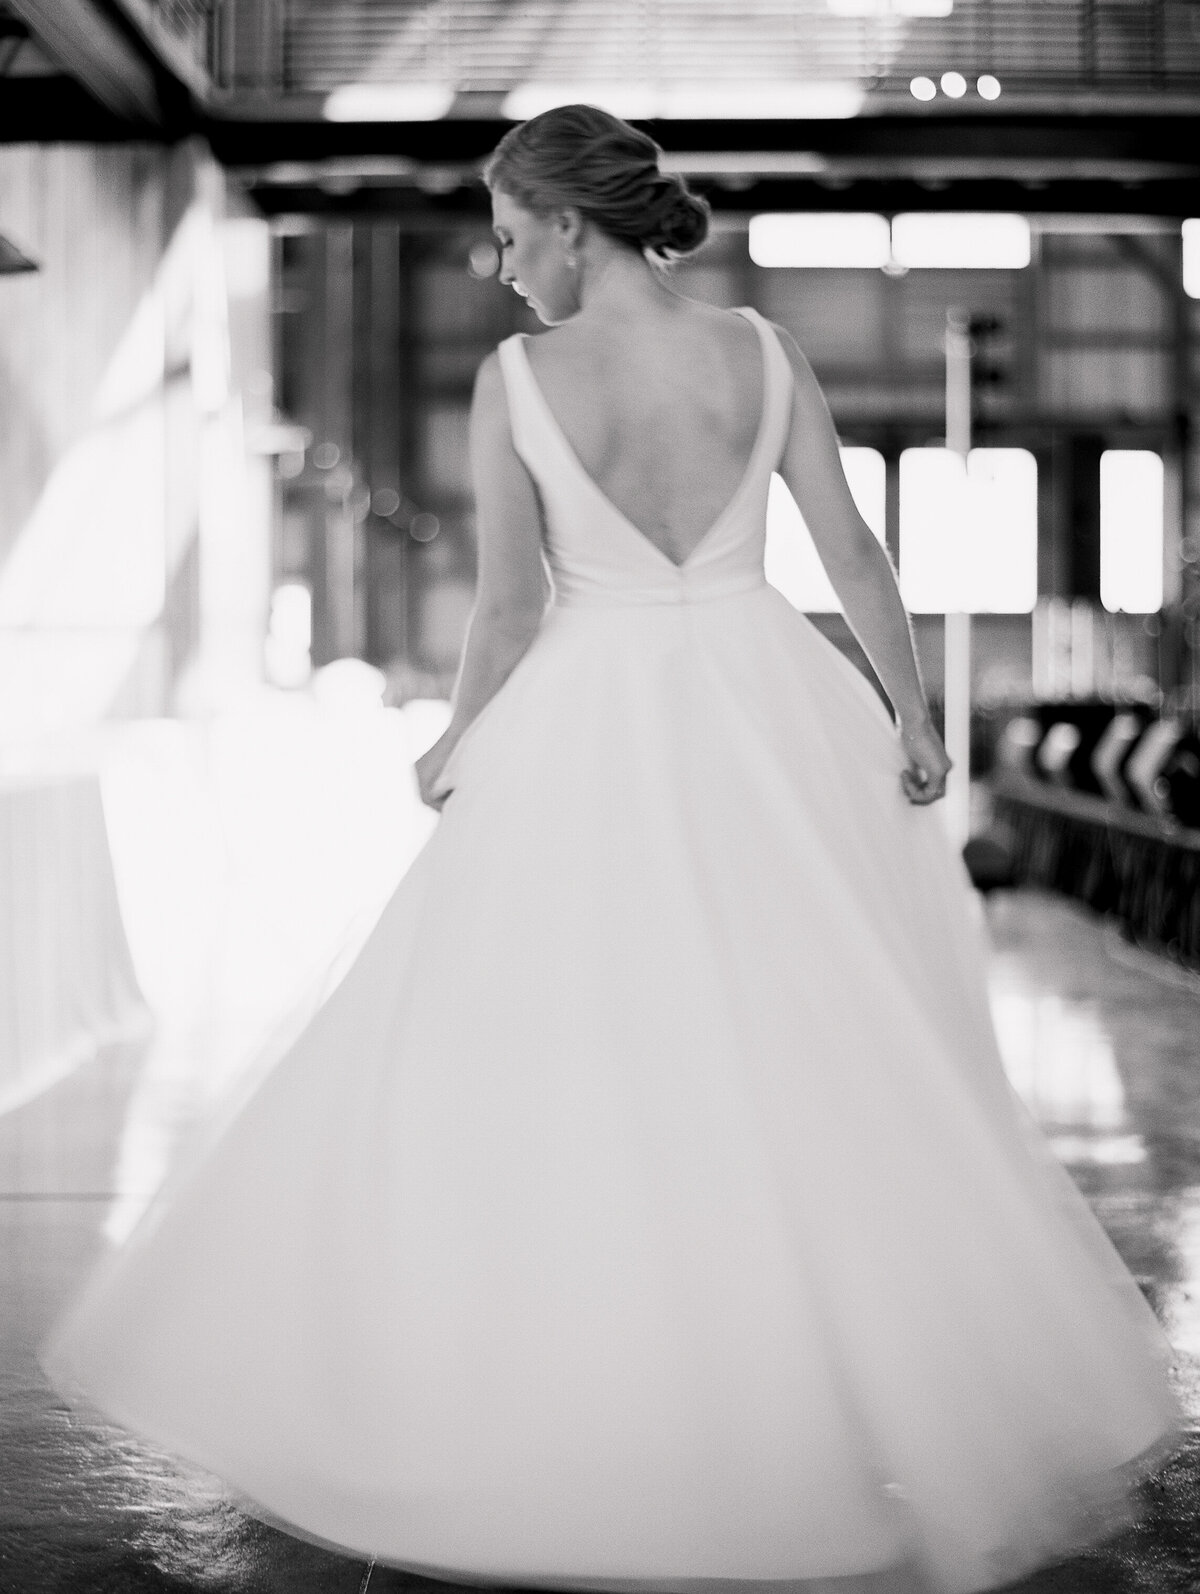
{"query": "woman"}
(647, 1207)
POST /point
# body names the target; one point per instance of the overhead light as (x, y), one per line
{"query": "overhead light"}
(12, 260)
(988, 87)
(961, 240)
(1191, 257)
(831, 239)
(389, 102)
(890, 8)
(700, 102)
(635, 102)
(923, 88)
(954, 84)
(764, 101)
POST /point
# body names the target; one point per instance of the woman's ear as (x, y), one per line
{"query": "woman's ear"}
(569, 225)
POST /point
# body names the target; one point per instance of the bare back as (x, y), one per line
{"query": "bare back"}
(662, 408)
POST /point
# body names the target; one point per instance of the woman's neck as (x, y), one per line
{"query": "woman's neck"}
(618, 281)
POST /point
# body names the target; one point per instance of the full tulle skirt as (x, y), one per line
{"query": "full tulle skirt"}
(647, 1206)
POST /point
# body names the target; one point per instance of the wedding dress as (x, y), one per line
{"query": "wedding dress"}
(647, 1206)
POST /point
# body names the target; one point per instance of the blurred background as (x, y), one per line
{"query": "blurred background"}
(253, 278)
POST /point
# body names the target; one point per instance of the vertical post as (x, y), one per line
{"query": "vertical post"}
(891, 501)
(1182, 577)
(1083, 648)
(384, 574)
(957, 672)
(340, 530)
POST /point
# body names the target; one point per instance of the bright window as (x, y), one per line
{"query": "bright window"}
(838, 238)
(961, 240)
(968, 540)
(1131, 530)
(792, 562)
(1191, 257)
(950, 240)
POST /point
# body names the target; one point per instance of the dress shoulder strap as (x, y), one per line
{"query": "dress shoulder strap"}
(778, 385)
(523, 410)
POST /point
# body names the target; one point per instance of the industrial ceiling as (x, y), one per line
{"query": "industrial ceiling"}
(382, 105)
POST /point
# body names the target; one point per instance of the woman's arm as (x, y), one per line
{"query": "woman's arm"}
(510, 590)
(860, 571)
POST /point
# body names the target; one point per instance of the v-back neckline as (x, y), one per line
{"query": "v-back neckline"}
(577, 464)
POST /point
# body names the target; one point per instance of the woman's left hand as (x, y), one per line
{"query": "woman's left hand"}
(924, 780)
(429, 768)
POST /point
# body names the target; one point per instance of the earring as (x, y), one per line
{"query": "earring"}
(572, 260)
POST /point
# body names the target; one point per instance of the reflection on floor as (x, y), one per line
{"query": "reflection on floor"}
(1103, 1042)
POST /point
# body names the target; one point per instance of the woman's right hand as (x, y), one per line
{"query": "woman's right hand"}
(924, 781)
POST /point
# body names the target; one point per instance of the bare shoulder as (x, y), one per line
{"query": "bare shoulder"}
(809, 400)
(728, 325)
(791, 348)
(489, 379)
(490, 425)
(489, 400)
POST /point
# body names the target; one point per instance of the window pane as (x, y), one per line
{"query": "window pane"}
(849, 238)
(1131, 530)
(961, 239)
(968, 543)
(792, 562)
(1191, 257)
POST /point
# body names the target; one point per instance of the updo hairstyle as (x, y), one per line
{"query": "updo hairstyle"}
(581, 156)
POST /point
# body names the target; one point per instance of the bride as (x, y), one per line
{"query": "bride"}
(657, 395)
(647, 1207)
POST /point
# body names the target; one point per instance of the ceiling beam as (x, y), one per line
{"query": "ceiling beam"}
(169, 49)
(58, 110)
(1166, 138)
(85, 41)
(1139, 164)
(343, 198)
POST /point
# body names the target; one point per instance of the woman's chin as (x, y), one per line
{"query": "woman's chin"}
(548, 317)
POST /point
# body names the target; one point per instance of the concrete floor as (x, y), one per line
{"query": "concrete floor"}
(1103, 1041)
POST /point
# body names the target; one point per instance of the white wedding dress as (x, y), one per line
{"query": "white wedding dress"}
(647, 1206)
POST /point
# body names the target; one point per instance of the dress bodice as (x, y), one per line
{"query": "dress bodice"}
(596, 555)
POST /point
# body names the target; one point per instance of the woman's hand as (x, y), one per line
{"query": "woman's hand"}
(924, 780)
(429, 769)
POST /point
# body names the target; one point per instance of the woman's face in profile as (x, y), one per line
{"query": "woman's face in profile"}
(533, 260)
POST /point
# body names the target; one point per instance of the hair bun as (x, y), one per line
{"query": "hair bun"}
(583, 156)
(677, 220)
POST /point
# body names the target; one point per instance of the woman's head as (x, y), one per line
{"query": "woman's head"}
(579, 165)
